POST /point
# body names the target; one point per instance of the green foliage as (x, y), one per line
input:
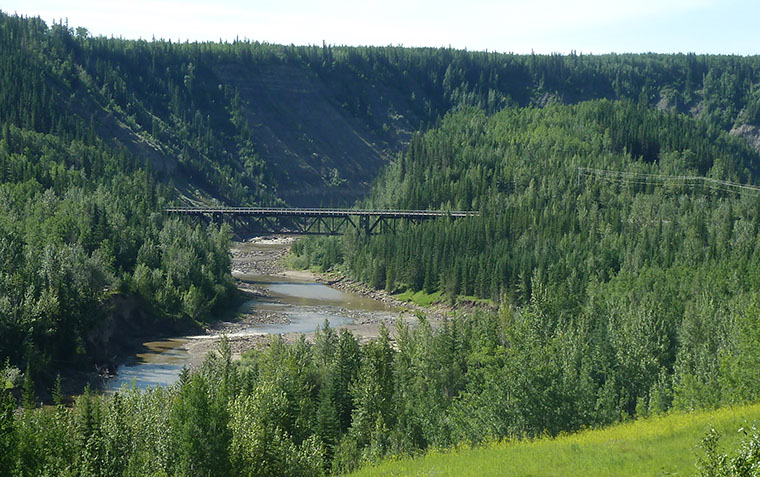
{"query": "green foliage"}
(10, 376)
(337, 404)
(83, 184)
(57, 393)
(95, 129)
(68, 245)
(629, 293)
(200, 433)
(740, 359)
(539, 219)
(184, 105)
(47, 443)
(322, 253)
(28, 397)
(662, 445)
(421, 297)
(617, 298)
(261, 444)
(7, 433)
(113, 92)
(746, 462)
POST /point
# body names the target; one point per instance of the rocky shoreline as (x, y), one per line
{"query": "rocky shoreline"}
(254, 263)
(259, 259)
(266, 259)
(265, 256)
(348, 285)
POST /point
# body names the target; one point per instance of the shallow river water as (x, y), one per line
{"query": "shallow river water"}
(304, 304)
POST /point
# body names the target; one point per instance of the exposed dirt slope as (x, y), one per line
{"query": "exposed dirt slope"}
(749, 132)
(305, 135)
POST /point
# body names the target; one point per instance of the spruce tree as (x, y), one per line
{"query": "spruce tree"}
(28, 398)
(7, 433)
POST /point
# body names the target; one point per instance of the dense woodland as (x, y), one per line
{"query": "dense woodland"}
(611, 298)
(175, 105)
(81, 225)
(617, 298)
(70, 243)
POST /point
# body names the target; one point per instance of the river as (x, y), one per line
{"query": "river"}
(285, 304)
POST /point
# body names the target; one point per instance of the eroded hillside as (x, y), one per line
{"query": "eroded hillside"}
(249, 123)
(320, 152)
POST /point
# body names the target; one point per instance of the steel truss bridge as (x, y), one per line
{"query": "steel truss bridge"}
(266, 220)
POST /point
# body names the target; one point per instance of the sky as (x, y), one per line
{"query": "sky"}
(540, 26)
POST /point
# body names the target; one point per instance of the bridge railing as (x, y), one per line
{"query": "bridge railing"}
(320, 211)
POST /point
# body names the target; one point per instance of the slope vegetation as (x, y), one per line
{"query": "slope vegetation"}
(664, 445)
(256, 123)
(616, 297)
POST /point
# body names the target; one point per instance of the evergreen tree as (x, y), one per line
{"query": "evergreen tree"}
(200, 433)
(7, 434)
(28, 397)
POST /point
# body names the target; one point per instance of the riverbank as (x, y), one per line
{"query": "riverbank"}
(435, 311)
(265, 257)
(275, 301)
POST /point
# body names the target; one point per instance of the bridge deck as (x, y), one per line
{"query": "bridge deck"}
(310, 221)
(318, 212)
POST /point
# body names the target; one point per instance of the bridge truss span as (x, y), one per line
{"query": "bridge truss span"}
(310, 221)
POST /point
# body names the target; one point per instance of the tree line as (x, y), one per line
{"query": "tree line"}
(331, 405)
(176, 98)
(615, 299)
(79, 227)
(539, 218)
(645, 292)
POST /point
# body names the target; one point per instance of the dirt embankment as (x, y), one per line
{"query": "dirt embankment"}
(319, 148)
(126, 324)
(265, 256)
(260, 256)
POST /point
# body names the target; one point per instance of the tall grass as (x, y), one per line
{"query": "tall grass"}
(420, 298)
(662, 445)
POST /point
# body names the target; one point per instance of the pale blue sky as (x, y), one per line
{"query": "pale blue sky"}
(543, 26)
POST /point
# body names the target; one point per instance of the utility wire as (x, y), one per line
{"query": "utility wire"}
(640, 178)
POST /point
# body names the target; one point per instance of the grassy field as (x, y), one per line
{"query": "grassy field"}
(420, 298)
(666, 445)
(429, 299)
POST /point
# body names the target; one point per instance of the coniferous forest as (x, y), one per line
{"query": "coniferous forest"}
(610, 295)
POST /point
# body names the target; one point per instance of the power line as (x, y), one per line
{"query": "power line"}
(640, 178)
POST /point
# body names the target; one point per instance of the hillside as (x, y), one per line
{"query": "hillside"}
(323, 153)
(663, 445)
(246, 122)
(541, 219)
(612, 295)
(618, 294)
(235, 123)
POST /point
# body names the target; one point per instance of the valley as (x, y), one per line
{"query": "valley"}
(570, 302)
(289, 304)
